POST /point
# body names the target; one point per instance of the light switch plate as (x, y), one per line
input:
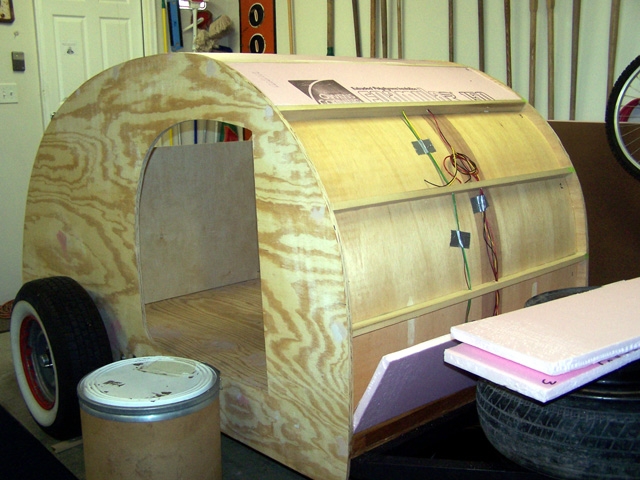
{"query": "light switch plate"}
(8, 93)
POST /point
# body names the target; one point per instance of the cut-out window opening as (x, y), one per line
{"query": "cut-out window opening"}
(194, 132)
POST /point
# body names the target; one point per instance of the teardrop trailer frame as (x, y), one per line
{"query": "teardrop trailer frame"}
(308, 252)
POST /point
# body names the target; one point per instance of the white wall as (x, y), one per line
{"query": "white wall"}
(20, 133)
(425, 37)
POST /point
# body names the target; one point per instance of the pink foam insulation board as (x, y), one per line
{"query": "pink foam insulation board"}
(408, 379)
(338, 82)
(564, 334)
(534, 384)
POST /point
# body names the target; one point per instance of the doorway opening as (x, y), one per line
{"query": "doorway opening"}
(199, 262)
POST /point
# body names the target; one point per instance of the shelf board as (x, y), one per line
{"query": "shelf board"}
(448, 190)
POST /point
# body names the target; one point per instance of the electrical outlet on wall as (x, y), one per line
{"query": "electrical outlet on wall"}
(8, 93)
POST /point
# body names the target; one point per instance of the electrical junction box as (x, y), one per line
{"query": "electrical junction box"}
(17, 59)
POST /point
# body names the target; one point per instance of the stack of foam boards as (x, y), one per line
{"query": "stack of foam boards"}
(552, 348)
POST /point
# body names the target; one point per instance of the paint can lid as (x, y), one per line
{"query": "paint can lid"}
(148, 388)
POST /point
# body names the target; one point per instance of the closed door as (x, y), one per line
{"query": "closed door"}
(78, 39)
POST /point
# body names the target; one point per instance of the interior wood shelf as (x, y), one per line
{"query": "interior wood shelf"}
(370, 324)
(448, 190)
(221, 326)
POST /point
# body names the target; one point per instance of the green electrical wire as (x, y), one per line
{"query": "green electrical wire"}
(424, 148)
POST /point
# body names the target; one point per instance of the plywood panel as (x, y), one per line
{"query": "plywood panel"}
(519, 224)
(370, 347)
(418, 245)
(197, 219)
(222, 327)
(381, 150)
(82, 221)
(348, 151)
(399, 255)
(505, 144)
(610, 195)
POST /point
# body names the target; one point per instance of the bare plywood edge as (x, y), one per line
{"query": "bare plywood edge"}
(381, 321)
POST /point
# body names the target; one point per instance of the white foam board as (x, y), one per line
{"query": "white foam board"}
(564, 334)
(408, 379)
(336, 82)
(533, 384)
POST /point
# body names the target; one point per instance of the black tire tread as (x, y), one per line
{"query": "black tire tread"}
(77, 337)
(571, 437)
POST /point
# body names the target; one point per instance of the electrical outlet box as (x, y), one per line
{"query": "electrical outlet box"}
(8, 93)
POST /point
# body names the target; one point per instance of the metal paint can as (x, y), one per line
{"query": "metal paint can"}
(151, 418)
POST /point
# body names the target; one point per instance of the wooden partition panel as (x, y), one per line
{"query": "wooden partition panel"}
(197, 218)
(612, 199)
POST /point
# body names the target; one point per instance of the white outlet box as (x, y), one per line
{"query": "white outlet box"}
(8, 93)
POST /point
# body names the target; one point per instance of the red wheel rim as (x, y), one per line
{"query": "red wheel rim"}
(36, 362)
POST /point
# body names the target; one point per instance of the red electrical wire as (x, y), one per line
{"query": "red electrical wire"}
(459, 163)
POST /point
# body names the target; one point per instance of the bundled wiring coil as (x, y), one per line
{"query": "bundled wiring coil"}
(456, 165)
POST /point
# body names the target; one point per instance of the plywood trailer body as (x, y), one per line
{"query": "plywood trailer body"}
(295, 259)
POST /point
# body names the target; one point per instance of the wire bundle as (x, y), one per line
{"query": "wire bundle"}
(458, 165)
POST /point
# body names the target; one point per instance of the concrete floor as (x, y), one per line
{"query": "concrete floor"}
(238, 461)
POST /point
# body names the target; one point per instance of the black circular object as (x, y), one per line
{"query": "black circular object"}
(257, 44)
(256, 15)
(622, 119)
(573, 437)
(57, 337)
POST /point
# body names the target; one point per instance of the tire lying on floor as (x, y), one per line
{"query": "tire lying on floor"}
(576, 436)
(592, 433)
(57, 337)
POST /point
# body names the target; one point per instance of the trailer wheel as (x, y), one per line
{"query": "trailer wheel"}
(57, 337)
(577, 436)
